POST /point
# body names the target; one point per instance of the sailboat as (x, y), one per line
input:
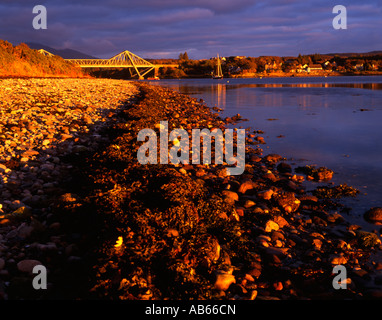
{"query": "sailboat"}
(219, 73)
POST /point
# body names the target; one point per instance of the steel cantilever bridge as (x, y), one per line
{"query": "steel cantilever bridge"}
(125, 59)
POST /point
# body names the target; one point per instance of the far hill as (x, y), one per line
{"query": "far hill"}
(354, 54)
(64, 53)
(23, 61)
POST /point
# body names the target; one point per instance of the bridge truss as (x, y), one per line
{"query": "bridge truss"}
(125, 59)
(45, 53)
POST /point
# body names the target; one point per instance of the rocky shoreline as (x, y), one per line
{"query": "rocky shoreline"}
(76, 200)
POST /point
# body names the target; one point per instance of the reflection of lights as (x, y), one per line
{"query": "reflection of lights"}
(221, 92)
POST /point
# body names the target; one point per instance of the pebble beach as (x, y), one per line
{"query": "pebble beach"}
(42, 121)
(74, 198)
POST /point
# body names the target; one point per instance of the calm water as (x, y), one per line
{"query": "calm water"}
(334, 122)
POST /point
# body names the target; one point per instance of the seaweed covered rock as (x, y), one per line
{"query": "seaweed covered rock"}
(320, 174)
(367, 239)
(287, 201)
(342, 190)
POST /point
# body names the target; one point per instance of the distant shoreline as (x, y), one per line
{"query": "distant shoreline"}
(241, 76)
(312, 75)
(287, 75)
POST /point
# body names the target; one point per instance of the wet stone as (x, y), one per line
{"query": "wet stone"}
(224, 280)
(284, 167)
(374, 214)
(27, 265)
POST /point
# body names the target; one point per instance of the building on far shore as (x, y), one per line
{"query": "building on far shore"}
(314, 67)
(359, 67)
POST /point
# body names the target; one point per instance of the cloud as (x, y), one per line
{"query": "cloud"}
(201, 27)
(220, 7)
(180, 16)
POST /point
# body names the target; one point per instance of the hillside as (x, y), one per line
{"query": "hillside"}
(23, 61)
(354, 54)
(64, 53)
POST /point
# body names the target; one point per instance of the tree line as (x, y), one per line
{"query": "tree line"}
(236, 65)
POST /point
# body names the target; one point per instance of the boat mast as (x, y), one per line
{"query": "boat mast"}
(219, 68)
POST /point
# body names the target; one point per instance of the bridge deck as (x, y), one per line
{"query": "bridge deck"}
(107, 63)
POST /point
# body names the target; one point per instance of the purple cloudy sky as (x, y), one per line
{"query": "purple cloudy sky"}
(203, 28)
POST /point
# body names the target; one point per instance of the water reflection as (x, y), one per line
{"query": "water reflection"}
(221, 92)
(218, 91)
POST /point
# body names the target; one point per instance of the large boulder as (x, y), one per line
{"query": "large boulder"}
(374, 214)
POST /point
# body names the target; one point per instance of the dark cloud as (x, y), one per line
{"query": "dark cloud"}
(164, 28)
